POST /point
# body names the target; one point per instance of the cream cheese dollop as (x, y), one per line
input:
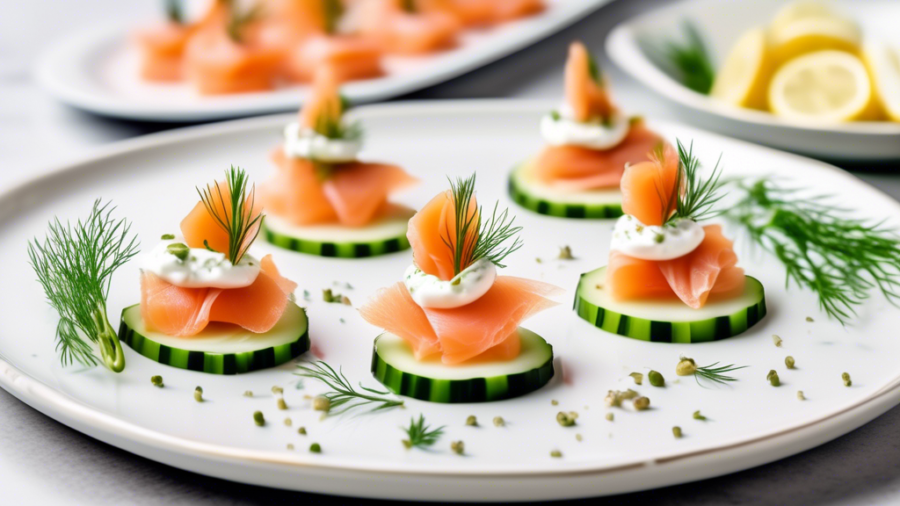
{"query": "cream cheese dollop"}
(468, 286)
(651, 242)
(200, 267)
(563, 130)
(307, 143)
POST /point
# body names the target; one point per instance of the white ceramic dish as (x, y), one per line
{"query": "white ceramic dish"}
(97, 70)
(152, 181)
(631, 44)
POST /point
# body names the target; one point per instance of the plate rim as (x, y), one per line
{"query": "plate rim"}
(115, 431)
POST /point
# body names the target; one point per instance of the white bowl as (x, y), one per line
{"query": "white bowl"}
(631, 46)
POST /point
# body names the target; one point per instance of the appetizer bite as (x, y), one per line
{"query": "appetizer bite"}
(402, 27)
(323, 200)
(670, 279)
(590, 143)
(206, 304)
(452, 325)
(479, 13)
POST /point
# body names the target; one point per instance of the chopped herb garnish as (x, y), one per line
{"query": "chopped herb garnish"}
(288, 422)
(554, 402)
(315, 448)
(167, 237)
(157, 381)
(198, 394)
(499, 421)
(301, 431)
(234, 215)
(676, 431)
(258, 418)
(290, 446)
(556, 454)
(248, 393)
(343, 395)
(839, 257)
(179, 250)
(641, 403)
(656, 379)
(473, 238)
(800, 395)
(75, 264)
(789, 362)
(638, 378)
(420, 435)
(566, 419)
(565, 253)
(610, 416)
(687, 367)
(458, 447)
(777, 340)
(845, 377)
(691, 60)
(281, 404)
(773, 378)
(471, 421)
(809, 319)
(698, 416)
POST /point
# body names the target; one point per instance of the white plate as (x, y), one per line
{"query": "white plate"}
(631, 45)
(97, 70)
(152, 181)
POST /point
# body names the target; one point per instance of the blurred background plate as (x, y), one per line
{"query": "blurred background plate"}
(97, 70)
(634, 44)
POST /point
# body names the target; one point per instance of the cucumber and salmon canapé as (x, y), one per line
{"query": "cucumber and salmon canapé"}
(589, 144)
(206, 304)
(323, 200)
(451, 326)
(670, 279)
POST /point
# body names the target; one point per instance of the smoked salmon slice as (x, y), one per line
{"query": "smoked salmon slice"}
(711, 269)
(585, 93)
(216, 64)
(576, 168)
(647, 185)
(199, 226)
(350, 58)
(295, 192)
(399, 31)
(430, 228)
(483, 12)
(184, 312)
(463, 333)
(162, 51)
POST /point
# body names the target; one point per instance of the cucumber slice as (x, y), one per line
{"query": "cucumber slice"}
(388, 235)
(220, 348)
(668, 321)
(529, 193)
(394, 365)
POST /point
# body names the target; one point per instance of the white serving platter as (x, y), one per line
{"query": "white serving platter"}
(152, 181)
(632, 44)
(97, 70)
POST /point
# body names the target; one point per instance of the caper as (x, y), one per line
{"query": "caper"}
(656, 379)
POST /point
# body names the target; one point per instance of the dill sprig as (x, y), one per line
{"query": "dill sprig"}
(839, 257)
(420, 435)
(474, 238)
(175, 11)
(332, 12)
(691, 60)
(238, 20)
(331, 124)
(712, 372)
(343, 395)
(234, 215)
(75, 264)
(692, 198)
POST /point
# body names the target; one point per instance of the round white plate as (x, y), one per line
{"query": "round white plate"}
(152, 181)
(633, 44)
(97, 70)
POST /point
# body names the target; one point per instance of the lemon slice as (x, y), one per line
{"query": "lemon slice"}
(795, 11)
(824, 87)
(810, 34)
(884, 66)
(744, 77)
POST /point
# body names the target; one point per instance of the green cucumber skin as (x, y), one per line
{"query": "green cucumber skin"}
(713, 329)
(548, 208)
(213, 363)
(337, 250)
(460, 391)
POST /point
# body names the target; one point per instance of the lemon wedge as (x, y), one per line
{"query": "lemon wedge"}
(807, 34)
(884, 67)
(823, 87)
(744, 77)
(796, 11)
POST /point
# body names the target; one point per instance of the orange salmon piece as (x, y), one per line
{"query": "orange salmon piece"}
(578, 168)
(709, 270)
(359, 191)
(199, 226)
(349, 57)
(295, 192)
(430, 227)
(584, 89)
(398, 31)
(215, 64)
(184, 312)
(646, 185)
(162, 51)
(393, 309)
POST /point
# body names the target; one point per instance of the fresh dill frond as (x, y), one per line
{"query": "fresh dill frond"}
(694, 197)
(691, 60)
(238, 21)
(343, 396)
(420, 435)
(75, 264)
(594, 70)
(475, 238)
(234, 214)
(716, 374)
(175, 11)
(840, 258)
(332, 12)
(334, 127)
